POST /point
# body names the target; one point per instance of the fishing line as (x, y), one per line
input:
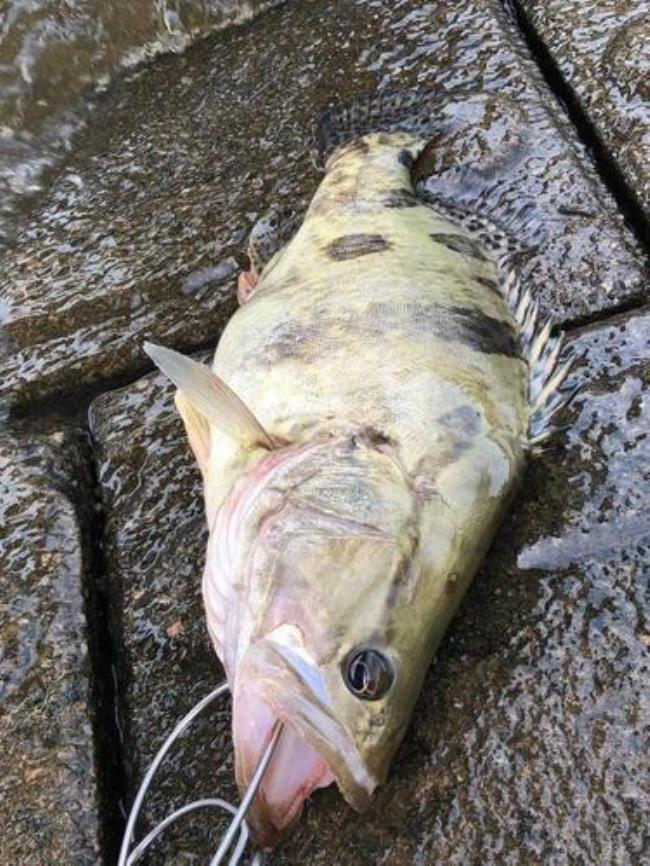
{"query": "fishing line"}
(130, 855)
(238, 821)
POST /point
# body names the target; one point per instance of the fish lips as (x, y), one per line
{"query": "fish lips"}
(277, 679)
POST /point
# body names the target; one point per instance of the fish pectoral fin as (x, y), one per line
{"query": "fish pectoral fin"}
(197, 429)
(210, 398)
(246, 285)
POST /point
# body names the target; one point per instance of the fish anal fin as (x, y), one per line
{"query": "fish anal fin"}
(210, 397)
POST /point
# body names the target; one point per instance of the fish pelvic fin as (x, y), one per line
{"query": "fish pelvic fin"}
(206, 399)
(270, 234)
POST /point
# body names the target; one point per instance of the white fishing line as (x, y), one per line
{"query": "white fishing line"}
(239, 819)
(130, 855)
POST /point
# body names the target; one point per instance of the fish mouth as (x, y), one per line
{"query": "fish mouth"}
(278, 681)
(296, 769)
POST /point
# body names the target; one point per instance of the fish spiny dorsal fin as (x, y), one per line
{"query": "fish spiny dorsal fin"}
(210, 397)
(495, 239)
(549, 362)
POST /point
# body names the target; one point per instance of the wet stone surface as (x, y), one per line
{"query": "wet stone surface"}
(48, 799)
(142, 232)
(52, 56)
(528, 744)
(154, 545)
(603, 51)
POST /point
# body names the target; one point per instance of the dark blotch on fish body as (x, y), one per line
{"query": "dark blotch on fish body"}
(406, 158)
(490, 284)
(463, 421)
(356, 245)
(477, 330)
(460, 244)
(398, 198)
(463, 325)
(360, 147)
(292, 341)
(375, 438)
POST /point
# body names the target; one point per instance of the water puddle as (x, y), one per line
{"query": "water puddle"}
(55, 56)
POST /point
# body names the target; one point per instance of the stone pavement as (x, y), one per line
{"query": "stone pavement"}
(603, 51)
(527, 743)
(155, 539)
(48, 802)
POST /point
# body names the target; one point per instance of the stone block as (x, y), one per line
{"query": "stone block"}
(49, 803)
(603, 51)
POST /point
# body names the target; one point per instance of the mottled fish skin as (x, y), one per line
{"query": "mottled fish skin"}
(328, 336)
(379, 347)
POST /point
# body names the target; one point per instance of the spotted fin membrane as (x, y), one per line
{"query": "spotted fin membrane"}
(411, 111)
(270, 233)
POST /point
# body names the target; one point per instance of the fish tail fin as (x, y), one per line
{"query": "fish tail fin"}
(411, 111)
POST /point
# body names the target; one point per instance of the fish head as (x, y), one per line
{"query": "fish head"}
(321, 543)
(331, 574)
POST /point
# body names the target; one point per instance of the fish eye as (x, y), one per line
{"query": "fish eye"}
(368, 674)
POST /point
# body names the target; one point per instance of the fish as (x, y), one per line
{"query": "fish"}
(361, 433)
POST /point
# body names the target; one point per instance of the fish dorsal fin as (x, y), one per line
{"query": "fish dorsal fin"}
(209, 396)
